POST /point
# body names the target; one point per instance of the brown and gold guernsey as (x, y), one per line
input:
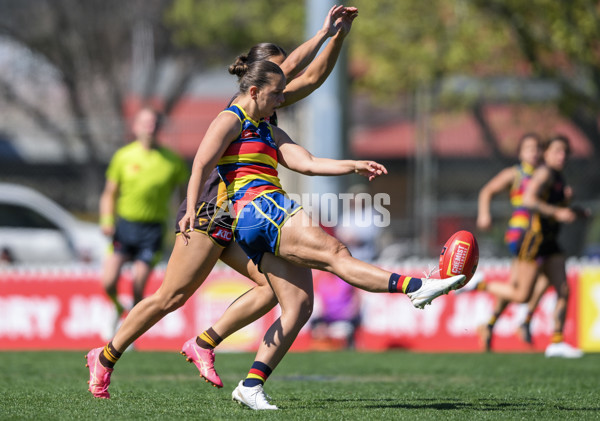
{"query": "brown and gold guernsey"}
(552, 193)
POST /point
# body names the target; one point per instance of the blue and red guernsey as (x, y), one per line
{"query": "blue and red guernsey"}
(248, 166)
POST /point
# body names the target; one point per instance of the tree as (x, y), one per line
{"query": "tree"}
(403, 45)
(99, 47)
(97, 52)
(559, 41)
(223, 30)
(400, 46)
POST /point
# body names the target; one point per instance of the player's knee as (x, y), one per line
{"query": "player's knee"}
(168, 302)
(340, 250)
(339, 255)
(341, 259)
(266, 296)
(300, 311)
(175, 302)
(522, 296)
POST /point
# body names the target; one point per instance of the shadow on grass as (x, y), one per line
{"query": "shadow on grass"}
(452, 404)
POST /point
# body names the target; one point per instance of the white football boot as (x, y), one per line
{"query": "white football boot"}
(563, 350)
(253, 397)
(433, 288)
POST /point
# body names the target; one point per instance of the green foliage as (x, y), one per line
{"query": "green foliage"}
(425, 40)
(553, 34)
(403, 44)
(407, 44)
(336, 385)
(224, 29)
(398, 46)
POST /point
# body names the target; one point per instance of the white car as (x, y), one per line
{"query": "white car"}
(34, 229)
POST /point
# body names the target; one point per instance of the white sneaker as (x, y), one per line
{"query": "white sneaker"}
(433, 288)
(472, 284)
(253, 397)
(563, 350)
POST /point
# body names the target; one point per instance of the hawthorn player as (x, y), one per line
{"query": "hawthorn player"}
(546, 199)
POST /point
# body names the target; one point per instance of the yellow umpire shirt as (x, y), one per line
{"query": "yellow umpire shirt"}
(146, 180)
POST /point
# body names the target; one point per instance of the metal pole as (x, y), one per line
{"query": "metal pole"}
(425, 209)
(325, 108)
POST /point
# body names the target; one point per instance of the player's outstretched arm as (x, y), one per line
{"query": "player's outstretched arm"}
(533, 201)
(298, 159)
(320, 68)
(306, 52)
(499, 183)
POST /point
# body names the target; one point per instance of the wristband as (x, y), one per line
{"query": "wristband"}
(106, 220)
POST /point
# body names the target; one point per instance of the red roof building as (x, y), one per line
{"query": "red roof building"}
(458, 134)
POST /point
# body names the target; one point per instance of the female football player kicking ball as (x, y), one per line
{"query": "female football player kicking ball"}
(274, 231)
(214, 226)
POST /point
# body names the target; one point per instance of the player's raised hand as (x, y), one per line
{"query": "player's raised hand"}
(344, 23)
(334, 15)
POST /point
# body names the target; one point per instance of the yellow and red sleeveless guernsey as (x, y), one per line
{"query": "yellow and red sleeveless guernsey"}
(520, 218)
(248, 166)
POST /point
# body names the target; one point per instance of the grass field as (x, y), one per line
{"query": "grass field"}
(337, 386)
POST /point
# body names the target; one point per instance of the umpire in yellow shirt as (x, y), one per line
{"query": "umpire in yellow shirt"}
(140, 180)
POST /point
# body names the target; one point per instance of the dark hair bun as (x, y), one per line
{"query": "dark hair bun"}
(240, 67)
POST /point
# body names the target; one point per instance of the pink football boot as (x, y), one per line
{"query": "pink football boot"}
(204, 359)
(99, 375)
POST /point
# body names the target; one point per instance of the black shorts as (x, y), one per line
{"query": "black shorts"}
(210, 220)
(139, 240)
(535, 245)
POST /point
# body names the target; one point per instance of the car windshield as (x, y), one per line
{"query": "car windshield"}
(15, 216)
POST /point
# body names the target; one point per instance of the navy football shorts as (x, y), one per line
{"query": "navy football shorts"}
(258, 225)
(139, 240)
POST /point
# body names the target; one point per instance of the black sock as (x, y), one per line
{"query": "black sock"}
(109, 356)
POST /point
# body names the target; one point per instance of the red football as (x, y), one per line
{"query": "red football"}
(460, 255)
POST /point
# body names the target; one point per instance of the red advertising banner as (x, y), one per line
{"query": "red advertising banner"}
(67, 309)
(451, 322)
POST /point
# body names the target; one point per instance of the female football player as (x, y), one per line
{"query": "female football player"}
(274, 231)
(546, 199)
(513, 179)
(213, 228)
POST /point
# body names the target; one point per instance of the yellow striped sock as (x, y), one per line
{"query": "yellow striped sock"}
(405, 283)
(255, 376)
(204, 336)
(258, 374)
(557, 337)
(109, 355)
